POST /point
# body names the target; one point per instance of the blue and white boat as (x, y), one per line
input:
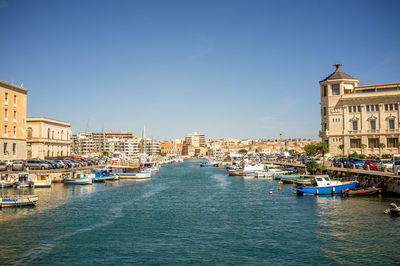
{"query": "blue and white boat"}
(279, 177)
(248, 170)
(103, 174)
(79, 178)
(23, 180)
(323, 185)
(209, 164)
(129, 172)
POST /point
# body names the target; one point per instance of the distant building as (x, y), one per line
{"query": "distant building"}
(13, 121)
(99, 138)
(47, 138)
(359, 117)
(83, 144)
(194, 145)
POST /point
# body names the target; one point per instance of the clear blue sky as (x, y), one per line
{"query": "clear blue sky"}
(243, 69)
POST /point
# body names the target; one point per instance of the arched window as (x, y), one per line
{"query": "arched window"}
(62, 134)
(29, 133)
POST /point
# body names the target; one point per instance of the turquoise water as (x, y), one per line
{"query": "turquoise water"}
(191, 215)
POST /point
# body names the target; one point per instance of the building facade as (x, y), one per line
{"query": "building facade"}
(359, 118)
(13, 121)
(47, 138)
(194, 145)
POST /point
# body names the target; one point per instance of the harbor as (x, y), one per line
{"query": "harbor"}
(186, 214)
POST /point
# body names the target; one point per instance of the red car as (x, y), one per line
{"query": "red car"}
(83, 160)
(372, 163)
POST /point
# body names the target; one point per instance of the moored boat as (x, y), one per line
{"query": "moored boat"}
(18, 200)
(23, 180)
(209, 164)
(248, 170)
(360, 191)
(284, 176)
(323, 185)
(79, 178)
(128, 172)
(6, 181)
(393, 210)
(43, 180)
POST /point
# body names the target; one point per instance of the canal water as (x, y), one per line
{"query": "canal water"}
(191, 215)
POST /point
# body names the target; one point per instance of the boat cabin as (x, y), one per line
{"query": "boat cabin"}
(323, 181)
(123, 169)
(23, 177)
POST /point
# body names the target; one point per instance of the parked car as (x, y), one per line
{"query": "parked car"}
(372, 163)
(355, 162)
(338, 162)
(388, 164)
(83, 160)
(18, 165)
(3, 166)
(36, 164)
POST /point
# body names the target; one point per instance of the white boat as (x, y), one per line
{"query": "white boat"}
(23, 180)
(43, 180)
(247, 170)
(129, 172)
(79, 178)
(18, 200)
(6, 181)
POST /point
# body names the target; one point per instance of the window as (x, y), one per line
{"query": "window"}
(325, 90)
(324, 111)
(355, 125)
(335, 89)
(373, 124)
(349, 109)
(14, 148)
(5, 148)
(325, 126)
(392, 142)
(14, 131)
(372, 108)
(5, 130)
(367, 108)
(396, 106)
(5, 114)
(391, 124)
(15, 100)
(29, 133)
(48, 133)
(391, 107)
(376, 107)
(15, 116)
(386, 107)
(354, 109)
(355, 143)
(373, 143)
(359, 108)
(6, 98)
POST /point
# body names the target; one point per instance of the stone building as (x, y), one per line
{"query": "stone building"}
(194, 145)
(47, 138)
(362, 118)
(13, 121)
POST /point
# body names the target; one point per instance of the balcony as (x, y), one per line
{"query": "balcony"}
(323, 133)
(373, 131)
(392, 130)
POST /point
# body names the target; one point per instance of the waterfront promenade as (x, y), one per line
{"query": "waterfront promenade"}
(190, 215)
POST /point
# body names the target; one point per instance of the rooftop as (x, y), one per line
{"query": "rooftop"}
(338, 74)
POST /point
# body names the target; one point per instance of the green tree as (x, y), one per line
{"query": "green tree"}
(312, 166)
(105, 153)
(323, 148)
(341, 146)
(311, 149)
(381, 147)
(243, 151)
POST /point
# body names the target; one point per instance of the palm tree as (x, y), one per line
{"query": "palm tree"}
(362, 146)
(381, 146)
(341, 146)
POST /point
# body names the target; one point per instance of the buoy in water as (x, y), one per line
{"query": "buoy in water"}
(280, 188)
(270, 192)
(280, 182)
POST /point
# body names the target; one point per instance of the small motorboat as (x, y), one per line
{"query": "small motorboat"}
(209, 164)
(104, 174)
(18, 200)
(43, 180)
(6, 181)
(367, 191)
(23, 180)
(323, 185)
(393, 210)
(79, 178)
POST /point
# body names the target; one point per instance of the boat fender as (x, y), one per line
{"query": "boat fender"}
(270, 192)
(280, 188)
(317, 191)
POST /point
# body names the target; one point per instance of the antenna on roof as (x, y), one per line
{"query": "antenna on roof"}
(337, 66)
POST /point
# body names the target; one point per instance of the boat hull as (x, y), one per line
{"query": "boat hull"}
(78, 181)
(141, 175)
(18, 201)
(326, 190)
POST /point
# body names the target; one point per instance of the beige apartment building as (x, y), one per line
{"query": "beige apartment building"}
(194, 145)
(47, 138)
(12, 121)
(359, 117)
